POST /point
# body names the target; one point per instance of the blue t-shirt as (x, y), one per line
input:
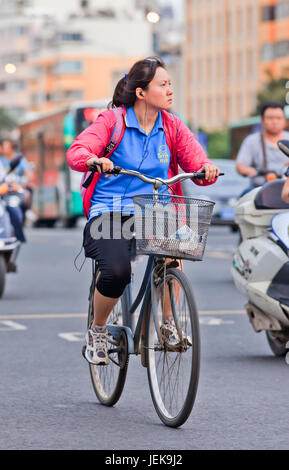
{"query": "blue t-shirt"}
(138, 151)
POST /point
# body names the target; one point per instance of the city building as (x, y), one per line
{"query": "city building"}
(58, 52)
(83, 58)
(229, 46)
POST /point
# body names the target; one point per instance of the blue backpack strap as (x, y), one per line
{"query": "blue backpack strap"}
(117, 132)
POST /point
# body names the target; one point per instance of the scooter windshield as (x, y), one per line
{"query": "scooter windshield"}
(280, 227)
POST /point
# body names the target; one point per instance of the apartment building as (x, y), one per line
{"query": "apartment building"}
(83, 58)
(229, 46)
(55, 53)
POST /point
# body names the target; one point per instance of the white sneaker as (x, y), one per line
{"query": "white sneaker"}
(170, 334)
(96, 347)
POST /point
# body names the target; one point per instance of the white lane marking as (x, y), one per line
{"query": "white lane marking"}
(211, 321)
(73, 336)
(11, 325)
(42, 316)
(221, 312)
(219, 254)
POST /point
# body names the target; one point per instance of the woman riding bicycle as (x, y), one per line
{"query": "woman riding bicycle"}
(155, 142)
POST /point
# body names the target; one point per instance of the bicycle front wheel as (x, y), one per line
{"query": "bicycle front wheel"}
(173, 372)
(108, 380)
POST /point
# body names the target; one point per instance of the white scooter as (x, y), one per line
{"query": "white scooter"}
(260, 268)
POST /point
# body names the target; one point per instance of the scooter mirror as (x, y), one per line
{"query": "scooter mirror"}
(15, 162)
(284, 146)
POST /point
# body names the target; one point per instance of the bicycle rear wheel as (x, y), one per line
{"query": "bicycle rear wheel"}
(173, 373)
(108, 381)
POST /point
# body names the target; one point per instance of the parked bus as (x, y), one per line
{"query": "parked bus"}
(44, 142)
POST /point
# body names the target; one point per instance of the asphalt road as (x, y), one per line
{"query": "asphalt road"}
(47, 401)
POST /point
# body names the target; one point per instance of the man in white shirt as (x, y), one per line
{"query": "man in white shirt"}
(259, 151)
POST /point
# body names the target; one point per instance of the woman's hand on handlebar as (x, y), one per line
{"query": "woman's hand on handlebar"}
(211, 171)
(106, 164)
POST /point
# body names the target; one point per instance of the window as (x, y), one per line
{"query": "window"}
(67, 66)
(17, 85)
(71, 37)
(73, 94)
(14, 59)
(268, 13)
(239, 25)
(37, 98)
(56, 96)
(267, 52)
(282, 10)
(209, 69)
(37, 71)
(250, 62)
(282, 49)
(18, 30)
(63, 95)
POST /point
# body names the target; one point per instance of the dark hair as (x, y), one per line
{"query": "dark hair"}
(273, 105)
(139, 76)
(13, 143)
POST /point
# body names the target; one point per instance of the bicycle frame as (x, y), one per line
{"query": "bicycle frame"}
(129, 307)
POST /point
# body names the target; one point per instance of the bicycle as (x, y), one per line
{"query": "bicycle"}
(173, 372)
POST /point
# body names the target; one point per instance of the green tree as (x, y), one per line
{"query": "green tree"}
(6, 121)
(274, 90)
(219, 144)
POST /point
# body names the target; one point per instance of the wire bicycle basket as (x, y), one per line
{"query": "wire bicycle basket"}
(174, 226)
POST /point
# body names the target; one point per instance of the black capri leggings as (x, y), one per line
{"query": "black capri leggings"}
(108, 239)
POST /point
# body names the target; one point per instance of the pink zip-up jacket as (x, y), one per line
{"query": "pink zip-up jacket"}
(185, 150)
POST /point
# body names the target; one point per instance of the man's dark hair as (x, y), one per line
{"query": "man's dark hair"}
(273, 105)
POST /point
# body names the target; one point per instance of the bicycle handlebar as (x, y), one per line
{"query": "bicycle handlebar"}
(157, 182)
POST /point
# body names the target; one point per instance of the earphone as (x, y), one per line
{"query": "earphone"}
(141, 94)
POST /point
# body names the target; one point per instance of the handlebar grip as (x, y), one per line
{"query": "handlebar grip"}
(94, 165)
(202, 176)
(199, 176)
(93, 169)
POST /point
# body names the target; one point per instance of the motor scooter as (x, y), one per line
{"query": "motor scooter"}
(9, 245)
(260, 267)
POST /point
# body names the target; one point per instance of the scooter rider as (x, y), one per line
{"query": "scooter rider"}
(259, 151)
(7, 152)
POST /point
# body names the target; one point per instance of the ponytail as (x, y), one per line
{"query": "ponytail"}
(139, 76)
